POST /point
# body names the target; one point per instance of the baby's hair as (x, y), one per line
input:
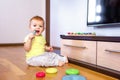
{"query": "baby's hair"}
(39, 18)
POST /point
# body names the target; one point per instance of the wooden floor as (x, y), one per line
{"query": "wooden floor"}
(13, 67)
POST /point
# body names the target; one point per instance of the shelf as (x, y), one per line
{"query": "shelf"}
(93, 38)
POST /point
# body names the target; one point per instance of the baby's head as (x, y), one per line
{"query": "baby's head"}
(37, 24)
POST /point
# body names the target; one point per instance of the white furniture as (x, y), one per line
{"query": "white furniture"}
(100, 51)
(108, 55)
(80, 50)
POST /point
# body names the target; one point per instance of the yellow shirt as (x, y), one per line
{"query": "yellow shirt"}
(37, 48)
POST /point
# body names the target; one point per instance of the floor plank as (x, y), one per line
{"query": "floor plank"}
(13, 67)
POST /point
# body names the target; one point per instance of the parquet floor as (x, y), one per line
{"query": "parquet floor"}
(13, 67)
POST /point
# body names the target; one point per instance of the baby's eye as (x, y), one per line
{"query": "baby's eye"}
(34, 25)
(40, 26)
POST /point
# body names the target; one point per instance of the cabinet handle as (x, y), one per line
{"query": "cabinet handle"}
(74, 46)
(115, 51)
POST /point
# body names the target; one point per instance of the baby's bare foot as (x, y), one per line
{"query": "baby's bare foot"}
(61, 63)
(66, 59)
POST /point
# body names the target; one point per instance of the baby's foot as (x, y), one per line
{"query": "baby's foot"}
(66, 59)
(61, 63)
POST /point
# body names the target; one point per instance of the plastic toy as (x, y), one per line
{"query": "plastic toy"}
(72, 71)
(51, 70)
(73, 77)
(81, 33)
(34, 32)
(40, 74)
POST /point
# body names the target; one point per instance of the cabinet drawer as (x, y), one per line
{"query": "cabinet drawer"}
(79, 49)
(108, 55)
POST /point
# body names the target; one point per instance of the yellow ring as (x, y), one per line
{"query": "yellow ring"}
(51, 70)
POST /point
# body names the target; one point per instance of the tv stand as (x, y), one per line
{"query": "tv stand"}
(99, 53)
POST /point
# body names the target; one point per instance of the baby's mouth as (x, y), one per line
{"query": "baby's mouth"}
(37, 31)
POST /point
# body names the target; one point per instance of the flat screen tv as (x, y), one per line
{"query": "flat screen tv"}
(103, 12)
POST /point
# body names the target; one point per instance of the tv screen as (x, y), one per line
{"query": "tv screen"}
(103, 12)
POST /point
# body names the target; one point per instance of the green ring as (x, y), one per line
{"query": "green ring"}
(72, 71)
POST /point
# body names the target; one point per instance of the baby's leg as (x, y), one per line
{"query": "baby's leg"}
(63, 58)
(60, 57)
(48, 59)
(54, 58)
(36, 61)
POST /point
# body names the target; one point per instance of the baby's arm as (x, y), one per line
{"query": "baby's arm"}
(27, 44)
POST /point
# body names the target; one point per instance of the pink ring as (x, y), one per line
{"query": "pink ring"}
(40, 74)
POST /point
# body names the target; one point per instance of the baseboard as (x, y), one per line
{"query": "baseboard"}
(57, 48)
(97, 68)
(11, 44)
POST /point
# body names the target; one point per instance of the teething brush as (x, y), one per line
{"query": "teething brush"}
(34, 32)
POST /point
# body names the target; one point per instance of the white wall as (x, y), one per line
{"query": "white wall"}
(14, 18)
(70, 16)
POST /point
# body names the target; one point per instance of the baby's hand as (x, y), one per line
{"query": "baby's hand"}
(31, 36)
(49, 48)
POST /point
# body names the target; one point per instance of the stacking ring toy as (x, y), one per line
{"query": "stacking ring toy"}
(51, 70)
(73, 77)
(72, 71)
(40, 74)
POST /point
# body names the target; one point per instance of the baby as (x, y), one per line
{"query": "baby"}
(37, 52)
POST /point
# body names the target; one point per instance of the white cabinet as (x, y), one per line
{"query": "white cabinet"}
(105, 54)
(108, 55)
(100, 53)
(79, 49)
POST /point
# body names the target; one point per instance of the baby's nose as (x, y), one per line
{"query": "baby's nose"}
(37, 27)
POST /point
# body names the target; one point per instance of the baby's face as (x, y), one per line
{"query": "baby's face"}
(37, 26)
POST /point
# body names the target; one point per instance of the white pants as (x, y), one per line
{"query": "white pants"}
(46, 59)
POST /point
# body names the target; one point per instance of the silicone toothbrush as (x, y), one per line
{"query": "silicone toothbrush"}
(34, 32)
